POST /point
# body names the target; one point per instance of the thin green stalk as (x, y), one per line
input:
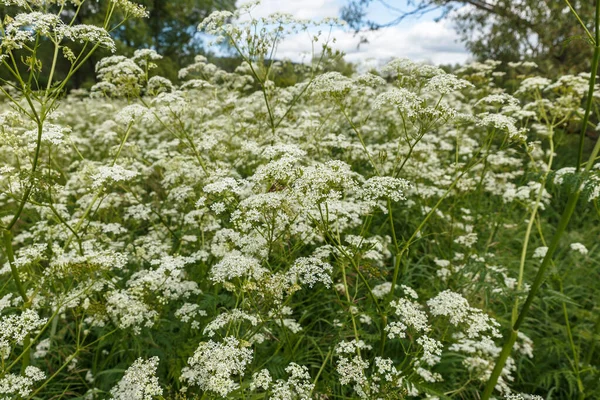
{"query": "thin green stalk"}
(539, 279)
(590, 97)
(587, 32)
(320, 371)
(7, 236)
(27, 193)
(573, 347)
(52, 68)
(588, 357)
(562, 225)
(532, 217)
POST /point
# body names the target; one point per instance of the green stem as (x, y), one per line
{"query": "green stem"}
(11, 262)
(539, 279)
(572, 344)
(52, 68)
(590, 96)
(562, 225)
(532, 217)
(587, 32)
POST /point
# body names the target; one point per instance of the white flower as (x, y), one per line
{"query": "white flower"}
(311, 270)
(383, 187)
(446, 83)
(15, 327)
(381, 290)
(51, 134)
(236, 265)
(115, 173)
(228, 317)
(540, 252)
(261, 380)
(410, 314)
(404, 100)
(333, 84)
(131, 9)
(128, 311)
(579, 248)
(139, 381)
(214, 366)
(17, 386)
(297, 386)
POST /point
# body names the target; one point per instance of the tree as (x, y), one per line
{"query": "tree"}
(170, 29)
(543, 31)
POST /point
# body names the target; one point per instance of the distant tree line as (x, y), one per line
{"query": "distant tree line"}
(170, 29)
(543, 31)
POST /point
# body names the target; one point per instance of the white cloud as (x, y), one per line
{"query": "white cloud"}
(419, 40)
(302, 9)
(435, 42)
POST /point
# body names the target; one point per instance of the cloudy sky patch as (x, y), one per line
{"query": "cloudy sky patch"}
(420, 39)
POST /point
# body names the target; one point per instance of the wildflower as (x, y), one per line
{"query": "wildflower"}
(261, 380)
(128, 311)
(131, 9)
(139, 381)
(332, 84)
(51, 134)
(298, 385)
(540, 252)
(236, 265)
(21, 385)
(214, 365)
(384, 187)
(15, 328)
(579, 248)
(310, 270)
(381, 290)
(226, 318)
(116, 173)
(410, 315)
(402, 99)
(446, 83)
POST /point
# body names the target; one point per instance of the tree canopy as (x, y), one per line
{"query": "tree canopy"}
(170, 29)
(543, 31)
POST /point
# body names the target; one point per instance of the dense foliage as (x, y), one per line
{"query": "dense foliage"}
(542, 31)
(169, 27)
(373, 236)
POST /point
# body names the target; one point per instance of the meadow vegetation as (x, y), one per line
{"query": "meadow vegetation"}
(402, 233)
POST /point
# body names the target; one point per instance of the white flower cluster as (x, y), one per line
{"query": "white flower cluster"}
(404, 100)
(15, 328)
(297, 386)
(456, 308)
(227, 318)
(139, 381)
(51, 134)
(116, 173)
(446, 83)
(214, 365)
(129, 311)
(579, 247)
(503, 123)
(383, 187)
(237, 265)
(167, 280)
(351, 366)
(24, 27)
(311, 270)
(131, 9)
(15, 386)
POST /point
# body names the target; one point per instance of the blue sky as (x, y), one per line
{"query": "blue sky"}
(420, 39)
(379, 13)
